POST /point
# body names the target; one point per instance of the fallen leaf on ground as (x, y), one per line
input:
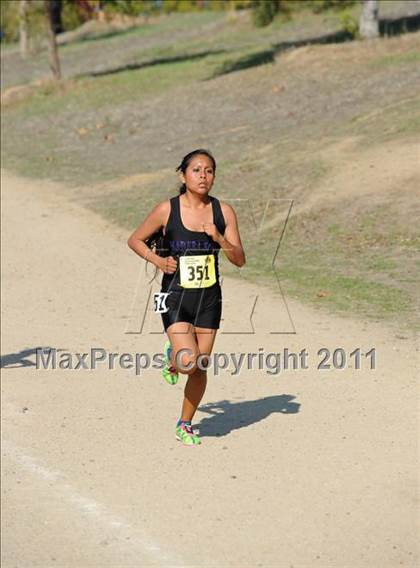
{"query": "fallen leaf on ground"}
(322, 294)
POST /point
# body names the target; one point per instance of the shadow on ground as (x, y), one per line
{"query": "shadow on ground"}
(94, 36)
(398, 26)
(268, 55)
(16, 360)
(227, 416)
(387, 27)
(21, 359)
(160, 61)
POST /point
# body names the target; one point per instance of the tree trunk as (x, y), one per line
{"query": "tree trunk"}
(56, 9)
(52, 43)
(369, 22)
(23, 28)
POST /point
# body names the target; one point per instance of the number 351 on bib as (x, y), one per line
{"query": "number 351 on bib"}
(197, 271)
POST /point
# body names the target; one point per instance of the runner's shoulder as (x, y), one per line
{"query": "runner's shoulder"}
(162, 210)
(228, 211)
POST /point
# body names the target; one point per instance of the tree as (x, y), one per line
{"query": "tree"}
(23, 28)
(264, 11)
(56, 9)
(52, 42)
(369, 21)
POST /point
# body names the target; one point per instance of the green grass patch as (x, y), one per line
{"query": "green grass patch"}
(322, 286)
(381, 264)
(396, 59)
(389, 122)
(346, 294)
(366, 267)
(92, 93)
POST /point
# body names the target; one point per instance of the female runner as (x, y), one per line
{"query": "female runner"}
(193, 226)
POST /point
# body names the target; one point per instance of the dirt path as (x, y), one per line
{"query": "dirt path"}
(376, 173)
(305, 468)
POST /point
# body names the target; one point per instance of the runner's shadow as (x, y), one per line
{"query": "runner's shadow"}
(227, 416)
(21, 359)
(14, 360)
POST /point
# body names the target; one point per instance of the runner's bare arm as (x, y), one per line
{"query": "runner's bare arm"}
(231, 240)
(153, 222)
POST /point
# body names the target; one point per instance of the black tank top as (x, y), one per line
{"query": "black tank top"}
(180, 242)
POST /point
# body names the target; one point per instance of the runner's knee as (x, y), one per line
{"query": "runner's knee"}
(187, 361)
(200, 362)
(203, 361)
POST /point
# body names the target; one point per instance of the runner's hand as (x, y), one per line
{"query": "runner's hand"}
(211, 230)
(167, 264)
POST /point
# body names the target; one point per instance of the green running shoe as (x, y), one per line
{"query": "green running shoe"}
(185, 434)
(168, 372)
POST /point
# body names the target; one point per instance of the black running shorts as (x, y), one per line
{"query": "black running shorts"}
(202, 308)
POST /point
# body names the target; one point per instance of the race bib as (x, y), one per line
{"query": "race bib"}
(160, 302)
(197, 271)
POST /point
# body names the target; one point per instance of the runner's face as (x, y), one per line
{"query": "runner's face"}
(199, 176)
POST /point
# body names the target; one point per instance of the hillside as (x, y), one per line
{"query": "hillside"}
(288, 114)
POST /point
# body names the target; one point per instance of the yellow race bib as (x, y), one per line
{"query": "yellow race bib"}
(197, 271)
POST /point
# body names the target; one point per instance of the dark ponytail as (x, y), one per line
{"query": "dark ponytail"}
(155, 242)
(186, 161)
